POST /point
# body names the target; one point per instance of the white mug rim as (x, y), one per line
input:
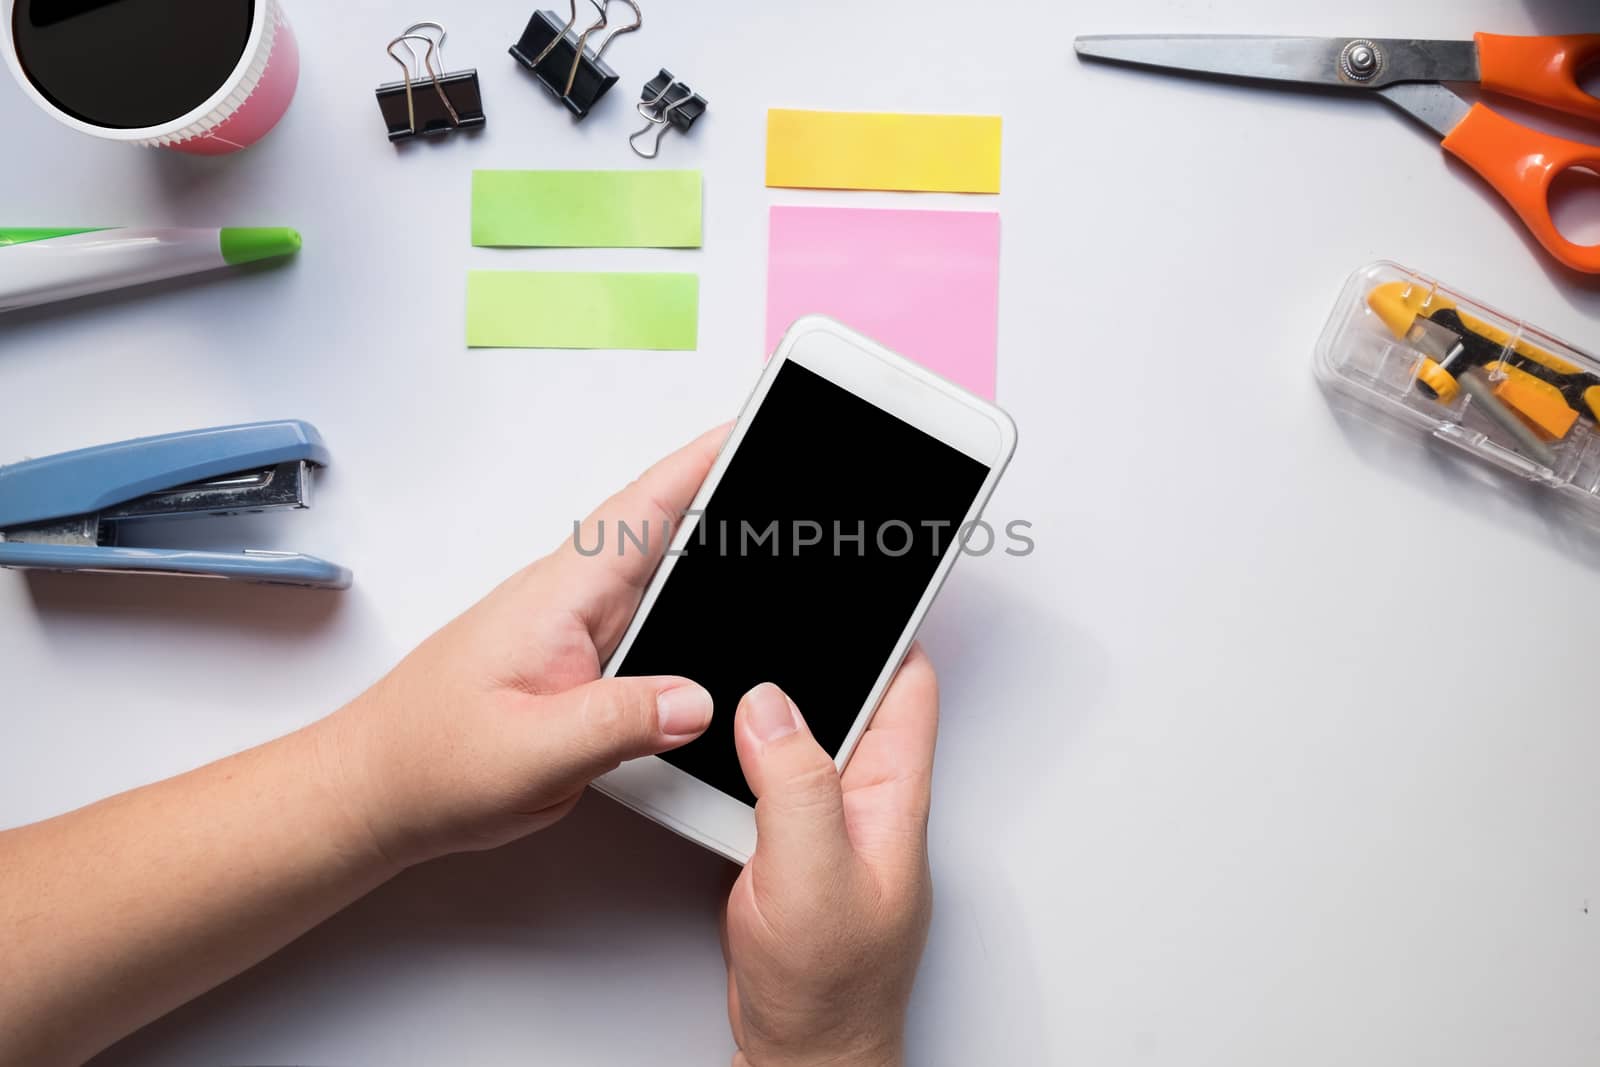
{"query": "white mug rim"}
(258, 25)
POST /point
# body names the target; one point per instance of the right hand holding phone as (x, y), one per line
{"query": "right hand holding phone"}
(826, 924)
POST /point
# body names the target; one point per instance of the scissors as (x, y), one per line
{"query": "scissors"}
(1520, 163)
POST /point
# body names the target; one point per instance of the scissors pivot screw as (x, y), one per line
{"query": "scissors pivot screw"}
(1361, 60)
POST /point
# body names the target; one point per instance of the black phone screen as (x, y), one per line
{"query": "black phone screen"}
(806, 565)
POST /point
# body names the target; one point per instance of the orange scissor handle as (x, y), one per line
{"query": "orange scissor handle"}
(1521, 164)
(1542, 70)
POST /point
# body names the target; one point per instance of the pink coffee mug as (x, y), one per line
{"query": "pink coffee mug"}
(244, 105)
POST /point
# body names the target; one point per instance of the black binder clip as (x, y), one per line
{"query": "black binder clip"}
(560, 58)
(666, 103)
(440, 103)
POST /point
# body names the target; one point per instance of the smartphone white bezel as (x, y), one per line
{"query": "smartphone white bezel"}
(675, 798)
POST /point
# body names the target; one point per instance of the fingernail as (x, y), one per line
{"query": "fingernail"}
(684, 711)
(772, 715)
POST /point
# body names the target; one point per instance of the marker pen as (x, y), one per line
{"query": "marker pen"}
(39, 266)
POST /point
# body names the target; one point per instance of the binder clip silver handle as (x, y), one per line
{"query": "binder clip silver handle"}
(658, 114)
(655, 119)
(578, 52)
(427, 62)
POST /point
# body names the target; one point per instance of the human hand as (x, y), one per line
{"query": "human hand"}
(494, 726)
(826, 924)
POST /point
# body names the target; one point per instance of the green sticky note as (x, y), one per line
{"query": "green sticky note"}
(586, 208)
(564, 309)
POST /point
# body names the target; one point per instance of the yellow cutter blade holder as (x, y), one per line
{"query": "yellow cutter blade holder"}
(1425, 357)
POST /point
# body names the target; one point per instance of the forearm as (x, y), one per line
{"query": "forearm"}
(115, 914)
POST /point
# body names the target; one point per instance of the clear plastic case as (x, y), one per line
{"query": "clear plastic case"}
(1422, 356)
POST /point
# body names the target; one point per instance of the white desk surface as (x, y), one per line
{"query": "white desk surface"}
(1281, 749)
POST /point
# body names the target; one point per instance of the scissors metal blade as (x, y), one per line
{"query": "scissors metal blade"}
(1434, 106)
(1303, 60)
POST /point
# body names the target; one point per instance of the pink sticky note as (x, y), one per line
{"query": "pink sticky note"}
(924, 283)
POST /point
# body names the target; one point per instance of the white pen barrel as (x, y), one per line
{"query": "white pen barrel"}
(60, 268)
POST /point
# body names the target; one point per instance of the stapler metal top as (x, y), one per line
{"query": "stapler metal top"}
(63, 512)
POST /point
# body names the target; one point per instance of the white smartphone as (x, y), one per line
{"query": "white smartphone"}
(808, 559)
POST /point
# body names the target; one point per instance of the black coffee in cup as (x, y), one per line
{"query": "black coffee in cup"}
(130, 64)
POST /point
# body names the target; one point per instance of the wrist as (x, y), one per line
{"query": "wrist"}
(884, 1054)
(344, 767)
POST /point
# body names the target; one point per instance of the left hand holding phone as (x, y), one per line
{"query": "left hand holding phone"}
(495, 725)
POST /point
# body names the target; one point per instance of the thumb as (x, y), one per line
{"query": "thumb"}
(800, 805)
(589, 730)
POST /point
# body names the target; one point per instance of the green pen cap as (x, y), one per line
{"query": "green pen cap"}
(249, 245)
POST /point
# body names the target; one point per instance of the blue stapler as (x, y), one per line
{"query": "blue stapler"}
(62, 513)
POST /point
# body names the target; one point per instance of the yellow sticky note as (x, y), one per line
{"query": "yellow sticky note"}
(864, 150)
